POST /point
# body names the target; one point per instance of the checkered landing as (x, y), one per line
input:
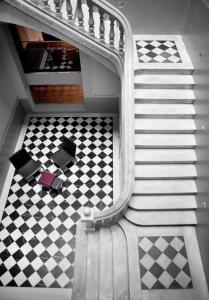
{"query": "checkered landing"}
(37, 232)
(157, 52)
(163, 263)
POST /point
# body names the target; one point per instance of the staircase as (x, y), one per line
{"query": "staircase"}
(164, 190)
(162, 205)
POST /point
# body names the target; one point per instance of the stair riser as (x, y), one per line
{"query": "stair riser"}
(162, 194)
(164, 131)
(163, 72)
(160, 162)
(164, 116)
(164, 101)
(164, 146)
(163, 86)
(177, 177)
(153, 203)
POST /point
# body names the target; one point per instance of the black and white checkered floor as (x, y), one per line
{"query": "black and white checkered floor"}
(164, 263)
(37, 232)
(157, 51)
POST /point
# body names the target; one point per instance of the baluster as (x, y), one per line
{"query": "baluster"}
(57, 4)
(45, 4)
(69, 10)
(91, 18)
(112, 33)
(101, 26)
(121, 40)
(80, 14)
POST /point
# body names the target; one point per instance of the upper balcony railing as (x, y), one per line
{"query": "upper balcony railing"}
(102, 28)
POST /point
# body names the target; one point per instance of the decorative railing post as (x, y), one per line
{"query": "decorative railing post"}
(80, 14)
(91, 18)
(58, 4)
(45, 3)
(101, 26)
(121, 40)
(112, 33)
(69, 10)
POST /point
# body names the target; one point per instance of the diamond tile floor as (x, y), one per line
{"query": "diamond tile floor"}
(37, 231)
(163, 263)
(157, 51)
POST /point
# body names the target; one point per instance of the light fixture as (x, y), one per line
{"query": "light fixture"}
(121, 4)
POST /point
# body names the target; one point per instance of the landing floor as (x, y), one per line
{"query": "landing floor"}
(37, 233)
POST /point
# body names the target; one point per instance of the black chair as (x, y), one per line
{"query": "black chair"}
(65, 156)
(25, 165)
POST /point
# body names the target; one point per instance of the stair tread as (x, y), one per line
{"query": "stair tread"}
(163, 79)
(165, 140)
(165, 124)
(164, 109)
(163, 202)
(150, 218)
(120, 264)
(165, 155)
(105, 267)
(172, 94)
(165, 171)
(169, 187)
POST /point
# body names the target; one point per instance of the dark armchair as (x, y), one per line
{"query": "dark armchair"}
(25, 165)
(65, 156)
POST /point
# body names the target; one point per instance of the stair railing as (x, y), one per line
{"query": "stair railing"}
(108, 31)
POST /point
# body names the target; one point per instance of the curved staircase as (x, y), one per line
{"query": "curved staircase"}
(136, 258)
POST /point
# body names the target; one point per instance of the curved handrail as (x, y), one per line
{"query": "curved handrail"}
(122, 57)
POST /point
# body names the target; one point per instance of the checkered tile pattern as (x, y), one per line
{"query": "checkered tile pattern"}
(164, 263)
(37, 232)
(64, 64)
(157, 52)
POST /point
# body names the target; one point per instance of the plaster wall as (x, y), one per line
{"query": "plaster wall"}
(196, 39)
(11, 85)
(101, 86)
(154, 17)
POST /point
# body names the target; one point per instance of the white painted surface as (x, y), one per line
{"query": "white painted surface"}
(98, 81)
(11, 85)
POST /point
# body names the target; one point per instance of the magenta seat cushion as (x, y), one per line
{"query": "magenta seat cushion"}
(46, 179)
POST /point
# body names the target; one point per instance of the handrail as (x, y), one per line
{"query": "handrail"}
(120, 52)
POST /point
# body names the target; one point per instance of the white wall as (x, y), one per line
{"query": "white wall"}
(11, 85)
(196, 39)
(101, 86)
(155, 16)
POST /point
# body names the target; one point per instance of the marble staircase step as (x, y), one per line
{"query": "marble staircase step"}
(164, 218)
(163, 96)
(163, 202)
(165, 156)
(163, 70)
(175, 111)
(164, 187)
(164, 81)
(164, 141)
(164, 126)
(170, 171)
